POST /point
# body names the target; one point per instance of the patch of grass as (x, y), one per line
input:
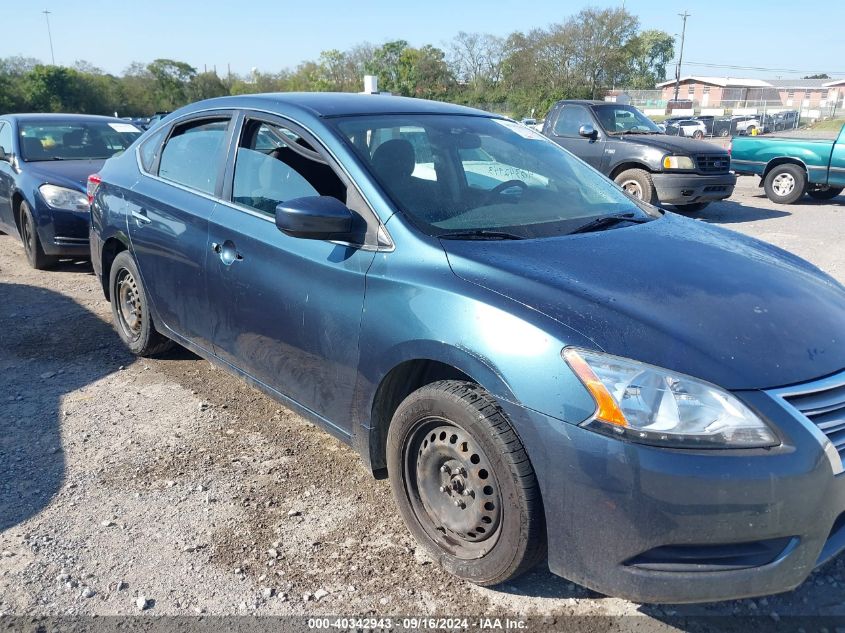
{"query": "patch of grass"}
(828, 125)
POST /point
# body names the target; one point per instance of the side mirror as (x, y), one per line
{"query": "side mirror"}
(315, 218)
(4, 156)
(588, 131)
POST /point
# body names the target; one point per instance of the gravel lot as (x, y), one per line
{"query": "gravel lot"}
(170, 487)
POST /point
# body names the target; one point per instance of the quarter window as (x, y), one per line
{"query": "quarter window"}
(193, 154)
(275, 164)
(150, 150)
(6, 137)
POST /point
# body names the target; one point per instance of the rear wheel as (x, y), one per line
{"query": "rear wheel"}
(31, 243)
(637, 183)
(698, 134)
(825, 194)
(463, 483)
(131, 311)
(785, 184)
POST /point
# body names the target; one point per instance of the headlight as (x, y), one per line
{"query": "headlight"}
(678, 162)
(62, 198)
(651, 405)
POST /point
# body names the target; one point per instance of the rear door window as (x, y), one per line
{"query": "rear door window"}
(193, 155)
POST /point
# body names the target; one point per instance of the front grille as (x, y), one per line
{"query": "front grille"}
(822, 402)
(713, 163)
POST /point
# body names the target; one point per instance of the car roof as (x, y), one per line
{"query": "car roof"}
(589, 102)
(48, 117)
(333, 104)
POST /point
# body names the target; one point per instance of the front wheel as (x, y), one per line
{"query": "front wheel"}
(637, 183)
(35, 254)
(463, 483)
(131, 309)
(825, 194)
(785, 184)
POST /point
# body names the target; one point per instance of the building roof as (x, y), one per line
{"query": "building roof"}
(800, 83)
(724, 82)
(739, 82)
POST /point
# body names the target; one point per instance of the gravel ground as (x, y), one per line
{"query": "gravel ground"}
(167, 486)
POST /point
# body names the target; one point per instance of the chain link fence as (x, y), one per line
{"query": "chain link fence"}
(728, 111)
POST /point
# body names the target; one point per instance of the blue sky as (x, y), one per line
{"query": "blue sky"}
(272, 35)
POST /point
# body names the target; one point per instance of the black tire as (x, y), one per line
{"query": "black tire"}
(692, 207)
(31, 243)
(131, 311)
(749, 131)
(785, 183)
(450, 443)
(698, 134)
(725, 132)
(825, 194)
(638, 183)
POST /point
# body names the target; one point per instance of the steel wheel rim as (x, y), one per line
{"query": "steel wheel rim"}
(128, 304)
(632, 187)
(783, 184)
(452, 488)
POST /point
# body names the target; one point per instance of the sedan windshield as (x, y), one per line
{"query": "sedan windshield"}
(476, 177)
(624, 119)
(74, 140)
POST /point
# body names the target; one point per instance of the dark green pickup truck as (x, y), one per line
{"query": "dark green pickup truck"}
(791, 167)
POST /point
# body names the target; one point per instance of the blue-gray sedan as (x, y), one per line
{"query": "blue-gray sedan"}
(542, 365)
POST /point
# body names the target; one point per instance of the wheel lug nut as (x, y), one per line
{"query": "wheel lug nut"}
(444, 469)
(459, 503)
(466, 492)
(442, 488)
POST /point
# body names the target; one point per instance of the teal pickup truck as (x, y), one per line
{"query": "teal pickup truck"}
(791, 167)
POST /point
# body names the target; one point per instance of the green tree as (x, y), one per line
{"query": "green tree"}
(650, 53)
(171, 81)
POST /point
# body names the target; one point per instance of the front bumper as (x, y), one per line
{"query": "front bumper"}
(661, 525)
(64, 233)
(691, 188)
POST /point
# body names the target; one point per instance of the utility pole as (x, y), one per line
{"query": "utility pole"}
(684, 15)
(49, 35)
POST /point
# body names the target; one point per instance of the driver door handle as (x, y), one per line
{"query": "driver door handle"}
(141, 217)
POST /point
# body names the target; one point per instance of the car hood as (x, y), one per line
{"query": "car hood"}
(673, 143)
(65, 173)
(676, 293)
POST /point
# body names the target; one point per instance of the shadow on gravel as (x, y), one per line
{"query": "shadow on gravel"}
(82, 266)
(729, 212)
(49, 346)
(541, 583)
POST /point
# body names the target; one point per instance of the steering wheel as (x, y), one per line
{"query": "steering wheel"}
(504, 186)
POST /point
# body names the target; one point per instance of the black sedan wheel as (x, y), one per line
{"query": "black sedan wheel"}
(31, 243)
(463, 483)
(130, 309)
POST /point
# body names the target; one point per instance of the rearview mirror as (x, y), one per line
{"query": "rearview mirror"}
(588, 131)
(315, 218)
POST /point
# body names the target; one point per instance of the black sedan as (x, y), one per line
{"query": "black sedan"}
(45, 161)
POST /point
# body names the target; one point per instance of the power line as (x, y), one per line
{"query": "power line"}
(763, 69)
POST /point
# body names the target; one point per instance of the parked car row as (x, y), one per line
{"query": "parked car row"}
(546, 366)
(738, 125)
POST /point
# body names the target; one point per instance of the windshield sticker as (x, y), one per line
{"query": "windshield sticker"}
(124, 127)
(522, 130)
